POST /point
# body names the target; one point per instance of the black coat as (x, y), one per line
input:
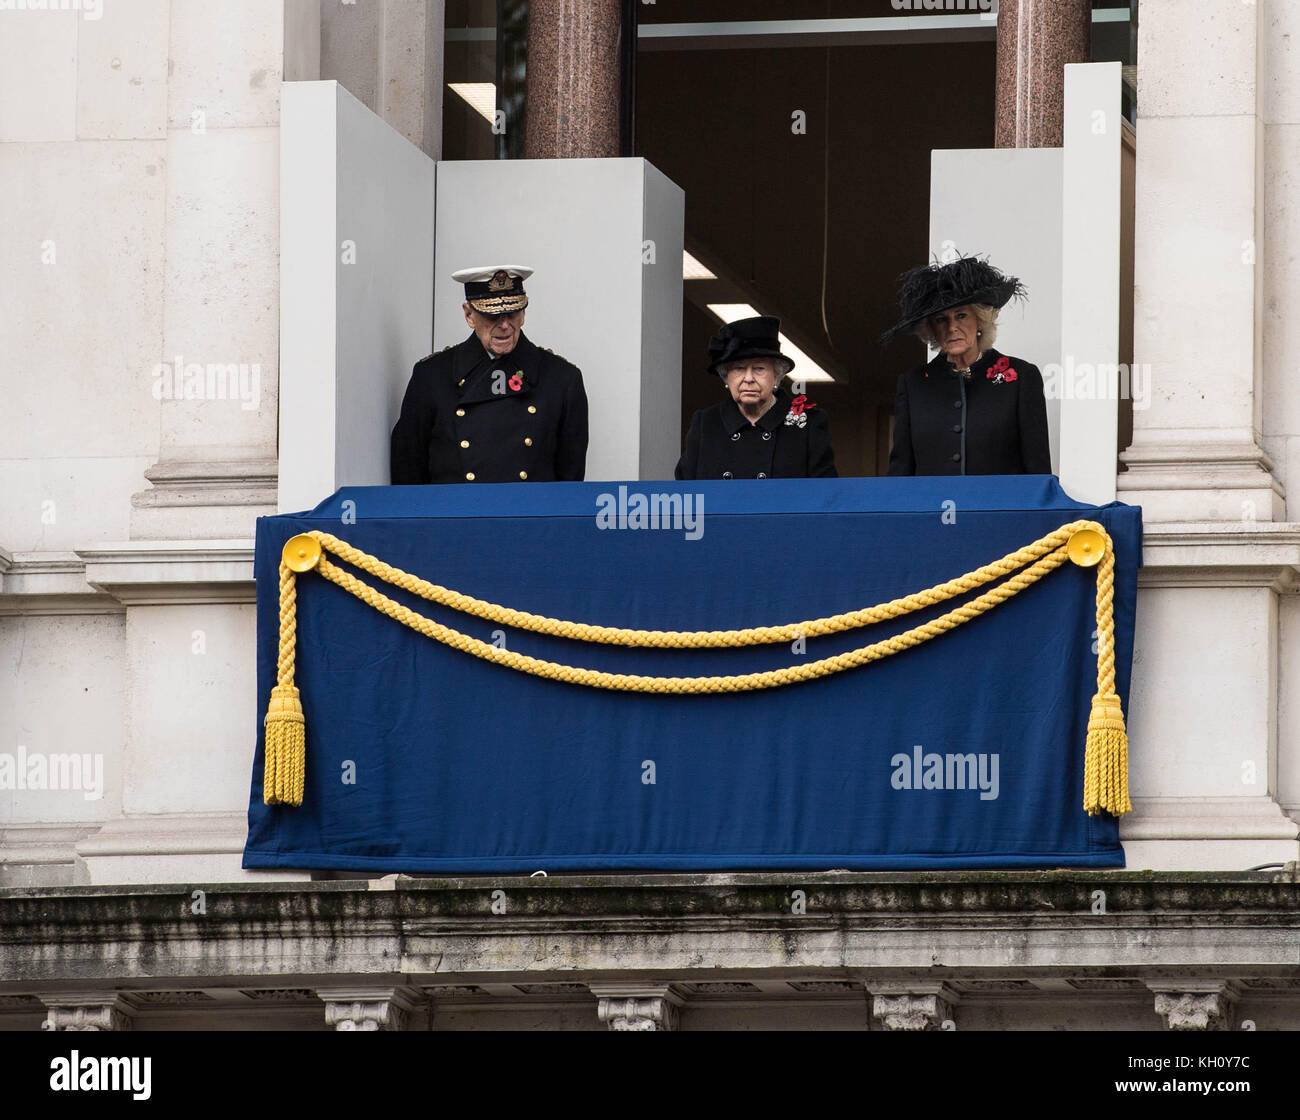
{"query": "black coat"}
(946, 424)
(470, 418)
(721, 443)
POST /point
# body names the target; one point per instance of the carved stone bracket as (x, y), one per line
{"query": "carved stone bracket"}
(913, 1007)
(636, 1006)
(368, 1009)
(1195, 1005)
(86, 1011)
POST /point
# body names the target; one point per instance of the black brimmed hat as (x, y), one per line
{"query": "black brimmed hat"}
(926, 291)
(495, 290)
(758, 337)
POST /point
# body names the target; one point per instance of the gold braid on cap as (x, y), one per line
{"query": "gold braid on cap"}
(499, 304)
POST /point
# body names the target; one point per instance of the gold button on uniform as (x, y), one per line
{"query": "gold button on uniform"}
(469, 477)
(523, 474)
(532, 408)
(460, 412)
(528, 442)
(461, 383)
(464, 443)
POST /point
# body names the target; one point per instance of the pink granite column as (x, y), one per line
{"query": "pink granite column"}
(574, 76)
(1036, 38)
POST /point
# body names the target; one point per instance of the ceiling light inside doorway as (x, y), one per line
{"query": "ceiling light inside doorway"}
(481, 97)
(805, 369)
(693, 270)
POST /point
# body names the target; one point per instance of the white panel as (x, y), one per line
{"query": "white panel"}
(385, 299)
(661, 327)
(308, 166)
(1006, 203)
(1089, 382)
(350, 332)
(581, 224)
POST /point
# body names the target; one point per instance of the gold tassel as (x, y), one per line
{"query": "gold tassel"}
(285, 765)
(1105, 759)
(284, 762)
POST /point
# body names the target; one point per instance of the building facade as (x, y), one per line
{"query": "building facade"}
(140, 152)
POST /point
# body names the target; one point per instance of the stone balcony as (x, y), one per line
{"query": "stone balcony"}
(832, 950)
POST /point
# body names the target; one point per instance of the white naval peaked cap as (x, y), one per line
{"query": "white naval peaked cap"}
(483, 275)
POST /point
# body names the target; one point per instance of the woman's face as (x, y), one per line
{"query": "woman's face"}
(955, 330)
(751, 381)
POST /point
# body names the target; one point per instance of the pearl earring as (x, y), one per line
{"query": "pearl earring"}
(979, 334)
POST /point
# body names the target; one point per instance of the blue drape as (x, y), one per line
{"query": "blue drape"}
(422, 758)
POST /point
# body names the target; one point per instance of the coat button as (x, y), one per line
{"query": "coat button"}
(735, 435)
(528, 441)
(464, 443)
(956, 427)
(532, 408)
(461, 383)
(469, 477)
(726, 474)
(767, 435)
(956, 458)
(761, 474)
(460, 412)
(956, 404)
(523, 474)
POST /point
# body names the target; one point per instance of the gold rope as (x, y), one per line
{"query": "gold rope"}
(696, 639)
(745, 682)
(1105, 761)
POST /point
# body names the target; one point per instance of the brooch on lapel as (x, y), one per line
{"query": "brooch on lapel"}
(795, 417)
(516, 382)
(1001, 371)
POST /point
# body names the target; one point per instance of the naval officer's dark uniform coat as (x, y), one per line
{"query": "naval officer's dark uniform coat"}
(471, 417)
(722, 443)
(947, 424)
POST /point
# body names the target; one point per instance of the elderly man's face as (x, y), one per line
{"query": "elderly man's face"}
(497, 333)
(955, 331)
(751, 381)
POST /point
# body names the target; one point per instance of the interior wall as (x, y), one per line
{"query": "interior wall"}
(764, 203)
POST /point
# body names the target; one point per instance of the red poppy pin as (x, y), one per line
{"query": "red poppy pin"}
(516, 382)
(795, 417)
(1001, 371)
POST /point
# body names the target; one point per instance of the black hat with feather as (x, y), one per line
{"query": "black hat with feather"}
(932, 288)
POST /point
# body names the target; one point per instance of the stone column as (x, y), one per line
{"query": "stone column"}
(216, 367)
(389, 55)
(913, 1006)
(637, 1006)
(574, 78)
(86, 1011)
(1219, 558)
(1281, 335)
(1195, 1005)
(1036, 39)
(1196, 454)
(368, 1009)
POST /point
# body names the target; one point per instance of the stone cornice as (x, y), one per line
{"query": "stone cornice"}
(39, 583)
(852, 924)
(1220, 554)
(141, 573)
(107, 578)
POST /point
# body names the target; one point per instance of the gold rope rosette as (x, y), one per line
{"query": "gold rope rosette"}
(1086, 543)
